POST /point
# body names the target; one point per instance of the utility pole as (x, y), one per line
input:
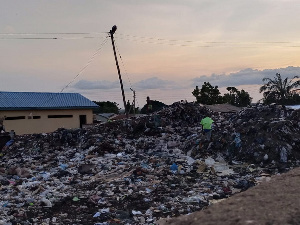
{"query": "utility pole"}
(111, 32)
(133, 101)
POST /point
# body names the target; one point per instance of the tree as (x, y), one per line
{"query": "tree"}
(236, 97)
(280, 91)
(107, 107)
(208, 94)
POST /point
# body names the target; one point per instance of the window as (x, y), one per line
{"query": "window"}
(34, 117)
(60, 116)
(15, 118)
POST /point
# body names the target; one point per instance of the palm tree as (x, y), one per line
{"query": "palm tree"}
(278, 90)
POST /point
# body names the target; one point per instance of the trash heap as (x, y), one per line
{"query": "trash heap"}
(138, 170)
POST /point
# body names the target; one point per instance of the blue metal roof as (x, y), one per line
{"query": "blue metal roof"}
(43, 100)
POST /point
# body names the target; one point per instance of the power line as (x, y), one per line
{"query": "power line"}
(208, 42)
(155, 40)
(88, 63)
(37, 38)
(63, 33)
(131, 87)
(53, 36)
(162, 43)
(123, 64)
(48, 38)
(195, 43)
(78, 74)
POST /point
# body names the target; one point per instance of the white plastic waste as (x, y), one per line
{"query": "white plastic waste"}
(97, 214)
(46, 202)
(209, 161)
(190, 160)
(136, 212)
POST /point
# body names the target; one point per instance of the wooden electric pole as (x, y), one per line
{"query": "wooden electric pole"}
(112, 31)
(133, 100)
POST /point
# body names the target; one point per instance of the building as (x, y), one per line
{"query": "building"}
(224, 108)
(39, 112)
(103, 117)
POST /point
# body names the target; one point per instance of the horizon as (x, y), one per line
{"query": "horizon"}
(165, 49)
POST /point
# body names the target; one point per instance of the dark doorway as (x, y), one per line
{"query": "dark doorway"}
(82, 120)
(4, 138)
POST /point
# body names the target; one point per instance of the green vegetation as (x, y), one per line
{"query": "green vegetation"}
(209, 95)
(106, 107)
(236, 97)
(280, 91)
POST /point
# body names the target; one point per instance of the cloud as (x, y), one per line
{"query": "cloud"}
(150, 83)
(155, 83)
(245, 77)
(85, 84)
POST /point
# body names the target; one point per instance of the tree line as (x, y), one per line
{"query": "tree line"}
(276, 90)
(113, 107)
(209, 95)
(281, 91)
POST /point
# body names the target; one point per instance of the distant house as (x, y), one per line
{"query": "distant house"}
(103, 117)
(38, 112)
(224, 108)
(124, 116)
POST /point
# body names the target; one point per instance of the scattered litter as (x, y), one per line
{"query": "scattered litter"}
(138, 170)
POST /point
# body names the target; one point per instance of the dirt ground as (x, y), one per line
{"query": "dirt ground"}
(273, 202)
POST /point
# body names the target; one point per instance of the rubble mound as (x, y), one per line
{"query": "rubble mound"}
(275, 201)
(137, 170)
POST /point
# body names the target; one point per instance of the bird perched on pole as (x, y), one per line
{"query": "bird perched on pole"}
(113, 29)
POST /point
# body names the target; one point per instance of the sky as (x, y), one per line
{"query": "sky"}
(164, 48)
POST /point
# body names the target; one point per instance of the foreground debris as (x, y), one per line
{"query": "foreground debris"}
(275, 202)
(139, 170)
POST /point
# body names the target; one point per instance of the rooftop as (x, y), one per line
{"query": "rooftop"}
(43, 100)
(223, 108)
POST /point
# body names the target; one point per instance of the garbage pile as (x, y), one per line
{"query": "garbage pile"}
(137, 170)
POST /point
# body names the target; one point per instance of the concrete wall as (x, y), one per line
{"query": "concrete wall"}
(38, 121)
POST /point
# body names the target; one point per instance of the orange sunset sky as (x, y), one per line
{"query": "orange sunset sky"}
(165, 48)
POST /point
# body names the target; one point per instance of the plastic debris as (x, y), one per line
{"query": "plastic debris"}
(136, 212)
(138, 170)
(46, 202)
(174, 168)
(97, 214)
(75, 199)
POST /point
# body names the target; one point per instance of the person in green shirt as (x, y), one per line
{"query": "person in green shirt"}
(206, 124)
